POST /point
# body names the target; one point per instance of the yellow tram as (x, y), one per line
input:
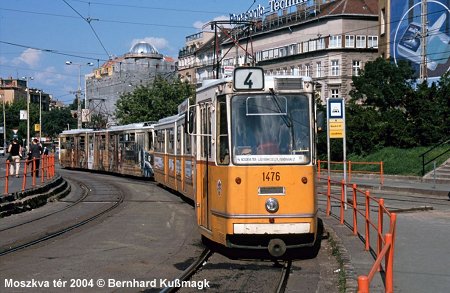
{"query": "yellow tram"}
(245, 152)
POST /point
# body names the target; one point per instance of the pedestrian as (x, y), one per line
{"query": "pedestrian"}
(36, 151)
(45, 151)
(15, 151)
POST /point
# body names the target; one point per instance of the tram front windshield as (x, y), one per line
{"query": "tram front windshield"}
(271, 129)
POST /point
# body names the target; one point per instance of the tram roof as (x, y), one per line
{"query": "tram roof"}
(170, 119)
(77, 131)
(138, 125)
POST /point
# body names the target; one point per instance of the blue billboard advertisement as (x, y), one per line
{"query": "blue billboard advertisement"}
(406, 34)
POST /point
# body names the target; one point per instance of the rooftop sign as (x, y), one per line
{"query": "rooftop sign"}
(259, 11)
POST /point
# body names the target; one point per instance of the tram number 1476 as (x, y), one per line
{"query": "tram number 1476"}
(271, 176)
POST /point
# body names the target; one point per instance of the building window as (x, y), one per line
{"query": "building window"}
(312, 45)
(356, 67)
(360, 41)
(319, 69)
(293, 49)
(335, 41)
(307, 70)
(305, 47)
(349, 41)
(334, 93)
(321, 44)
(372, 41)
(335, 67)
(382, 22)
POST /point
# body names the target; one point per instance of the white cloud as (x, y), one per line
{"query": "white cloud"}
(158, 43)
(49, 77)
(199, 24)
(30, 57)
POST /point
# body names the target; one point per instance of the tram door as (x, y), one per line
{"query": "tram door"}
(205, 156)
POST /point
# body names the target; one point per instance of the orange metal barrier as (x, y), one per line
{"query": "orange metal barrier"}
(27, 168)
(385, 242)
(353, 168)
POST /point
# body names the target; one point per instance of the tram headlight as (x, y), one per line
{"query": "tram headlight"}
(272, 205)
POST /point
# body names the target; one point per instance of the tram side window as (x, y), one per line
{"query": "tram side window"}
(101, 145)
(206, 130)
(149, 141)
(82, 143)
(63, 143)
(171, 141)
(179, 138)
(223, 153)
(187, 144)
(160, 141)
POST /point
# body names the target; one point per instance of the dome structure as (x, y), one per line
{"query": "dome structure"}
(143, 48)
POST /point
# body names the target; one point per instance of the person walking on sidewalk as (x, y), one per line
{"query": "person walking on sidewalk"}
(15, 151)
(36, 151)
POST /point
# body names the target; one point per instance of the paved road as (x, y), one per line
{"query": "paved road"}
(422, 256)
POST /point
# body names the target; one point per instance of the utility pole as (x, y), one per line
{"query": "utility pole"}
(423, 42)
(4, 124)
(78, 92)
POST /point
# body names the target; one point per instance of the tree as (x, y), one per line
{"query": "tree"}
(383, 85)
(387, 108)
(55, 121)
(151, 103)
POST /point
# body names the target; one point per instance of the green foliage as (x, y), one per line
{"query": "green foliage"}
(53, 122)
(386, 110)
(151, 103)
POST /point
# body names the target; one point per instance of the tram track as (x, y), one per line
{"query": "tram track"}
(77, 221)
(73, 203)
(240, 272)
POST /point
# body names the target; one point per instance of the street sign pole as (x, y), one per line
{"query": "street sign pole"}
(336, 129)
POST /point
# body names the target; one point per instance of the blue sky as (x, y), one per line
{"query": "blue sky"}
(37, 37)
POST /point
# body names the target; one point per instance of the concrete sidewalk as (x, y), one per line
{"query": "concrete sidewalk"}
(356, 260)
(23, 194)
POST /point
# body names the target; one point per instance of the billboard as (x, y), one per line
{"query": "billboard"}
(406, 33)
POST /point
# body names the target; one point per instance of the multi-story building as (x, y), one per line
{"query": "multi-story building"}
(329, 41)
(13, 90)
(122, 75)
(196, 53)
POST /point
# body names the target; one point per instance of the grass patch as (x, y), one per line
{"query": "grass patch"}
(402, 161)
(337, 254)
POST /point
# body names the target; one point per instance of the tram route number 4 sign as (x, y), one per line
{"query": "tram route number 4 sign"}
(248, 78)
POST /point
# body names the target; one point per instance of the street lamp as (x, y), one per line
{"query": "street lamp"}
(78, 92)
(28, 78)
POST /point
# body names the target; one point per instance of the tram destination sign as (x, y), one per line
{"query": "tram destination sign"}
(259, 11)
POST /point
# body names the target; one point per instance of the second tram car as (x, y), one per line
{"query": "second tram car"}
(125, 149)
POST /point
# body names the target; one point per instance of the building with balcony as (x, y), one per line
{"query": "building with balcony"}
(14, 90)
(196, 50)
(329, 41)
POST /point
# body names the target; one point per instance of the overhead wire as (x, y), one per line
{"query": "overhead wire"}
(88, 20)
